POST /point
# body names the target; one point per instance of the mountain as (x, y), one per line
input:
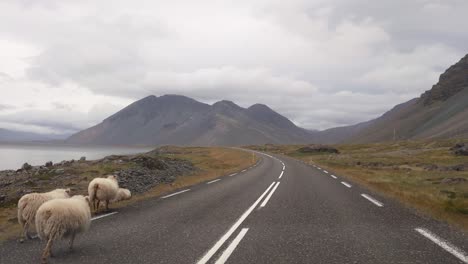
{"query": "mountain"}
(19, 136)
(175, 119)
(441, 112)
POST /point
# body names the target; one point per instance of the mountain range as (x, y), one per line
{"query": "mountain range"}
(175, 119)
(441, 112)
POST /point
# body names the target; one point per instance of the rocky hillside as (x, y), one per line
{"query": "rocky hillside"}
(179, 120)
(441, 112)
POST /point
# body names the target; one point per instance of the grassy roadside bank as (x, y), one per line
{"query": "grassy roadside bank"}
(425, 175)
(209, 163)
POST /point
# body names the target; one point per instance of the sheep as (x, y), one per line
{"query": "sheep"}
(122, 194)
(62, 218)
(28, 205)
(103, 189)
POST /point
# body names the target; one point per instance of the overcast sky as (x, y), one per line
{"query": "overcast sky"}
(66, 65)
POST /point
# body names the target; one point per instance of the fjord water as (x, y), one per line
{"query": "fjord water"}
(13, 156)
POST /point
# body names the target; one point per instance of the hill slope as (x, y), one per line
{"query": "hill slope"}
(174, 119)
(441, 112)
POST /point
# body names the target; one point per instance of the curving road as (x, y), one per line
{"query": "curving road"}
(279, 211)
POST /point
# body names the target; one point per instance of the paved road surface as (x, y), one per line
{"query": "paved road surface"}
(279, 211)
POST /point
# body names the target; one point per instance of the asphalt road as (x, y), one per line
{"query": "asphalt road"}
(279, 211)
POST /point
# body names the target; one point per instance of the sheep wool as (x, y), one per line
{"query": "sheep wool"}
(122, 194)
(103, 189)
(30, 203)
(62, 218)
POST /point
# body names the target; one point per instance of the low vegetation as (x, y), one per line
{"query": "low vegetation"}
(148, 175)
(427, 175)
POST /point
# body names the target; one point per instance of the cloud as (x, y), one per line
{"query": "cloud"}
(320, 63)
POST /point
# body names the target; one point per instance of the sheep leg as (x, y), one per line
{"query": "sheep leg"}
(97, 205)
(107, 205)
(71, 241)
(47, 251)
(24, 233)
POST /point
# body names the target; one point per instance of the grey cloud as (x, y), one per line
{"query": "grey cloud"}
(296, 56)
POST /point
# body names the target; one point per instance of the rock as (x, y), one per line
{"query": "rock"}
(460, 149)
(49, 164)
(453, 180)
(59, 171)
(83, 158)
(26, 167)
(318, 149)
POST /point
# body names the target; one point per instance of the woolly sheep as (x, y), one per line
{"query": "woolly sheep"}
(103, 189)
(122, 194)
(28, 205)
(61, 218)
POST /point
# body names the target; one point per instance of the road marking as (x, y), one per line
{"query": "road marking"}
(284, 167)
(210, 182)
(269, 195)
(346, 184)
(244, 171)
(233, 228)
(170, 195)
(227, 253)
(333, 176)
(325, 171)
(444, 244)
(234, 174)
(374, 201)
(102, 216)
(281, 175)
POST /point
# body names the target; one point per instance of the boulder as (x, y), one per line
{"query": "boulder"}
(460, 149)
(26, 166)
(49, 164)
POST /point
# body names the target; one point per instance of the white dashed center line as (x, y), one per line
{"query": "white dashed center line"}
(325, 171)
(333, 176)
(372, 200)
(234, 174)
(227, 253)
(444, 244)
(281, 175)
(210, 182)
(170, 195)
(102, 216)
(346, 184)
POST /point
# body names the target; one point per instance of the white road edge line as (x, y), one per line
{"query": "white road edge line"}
(210, 182)
(333, 176)
(234, 174)
(372, 200)
(233, 228)
(102, 216)
(170, 195)
(227, 253)
(244, 171)
(281, 175)
(346, 184)
(269, 195)
(444, 244)
(284, 167)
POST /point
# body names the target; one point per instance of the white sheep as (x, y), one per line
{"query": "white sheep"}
(61, 218)
(28, 205)
(103, 189)
(122, 194)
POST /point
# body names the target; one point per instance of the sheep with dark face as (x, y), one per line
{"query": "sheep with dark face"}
(30, 203)
(103, 189)
(62, 218)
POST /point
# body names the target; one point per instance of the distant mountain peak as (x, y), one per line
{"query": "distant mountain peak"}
(452, 81)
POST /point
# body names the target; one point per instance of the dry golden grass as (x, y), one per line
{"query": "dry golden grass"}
(211, 162)
(398, 170)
